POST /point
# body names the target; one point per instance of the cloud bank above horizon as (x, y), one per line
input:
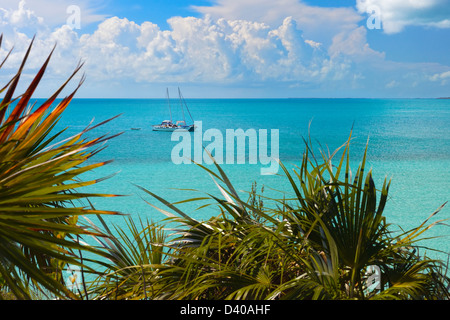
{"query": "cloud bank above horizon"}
(289, 49)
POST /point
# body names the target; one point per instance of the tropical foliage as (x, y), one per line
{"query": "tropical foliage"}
(330, 240)
(326, 239)
(39, 234)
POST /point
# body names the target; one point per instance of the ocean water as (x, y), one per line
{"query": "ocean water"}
(409, 142)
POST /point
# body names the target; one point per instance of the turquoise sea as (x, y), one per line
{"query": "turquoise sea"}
(409, 141)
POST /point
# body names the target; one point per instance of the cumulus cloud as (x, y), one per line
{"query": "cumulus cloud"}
(443, 77)
(398, 14)
(195, 50)
(22, 23)
(318, 23)
(212, 50)
(354, 44)
(199, 50)
(20, 17)
(54, 13)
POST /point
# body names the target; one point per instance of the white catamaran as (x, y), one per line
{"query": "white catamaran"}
(168, 125)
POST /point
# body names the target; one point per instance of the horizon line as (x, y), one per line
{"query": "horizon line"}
(249, 98)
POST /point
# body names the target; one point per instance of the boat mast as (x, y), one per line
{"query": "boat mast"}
(182, 99)
(181, 105)
(168, 101)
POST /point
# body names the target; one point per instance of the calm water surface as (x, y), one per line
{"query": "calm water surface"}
(409, 141)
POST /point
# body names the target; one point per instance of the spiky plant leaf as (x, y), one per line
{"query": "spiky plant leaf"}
(39, 180)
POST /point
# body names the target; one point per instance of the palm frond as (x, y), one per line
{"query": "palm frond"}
(38, 183)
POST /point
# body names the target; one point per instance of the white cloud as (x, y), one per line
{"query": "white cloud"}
(398, 14)
(22, 23)
(444, 77)
(320, 24)
(21, 17)
(198, 50)
(354, 44)
(211, 51)
(54, 13)
(392, 84)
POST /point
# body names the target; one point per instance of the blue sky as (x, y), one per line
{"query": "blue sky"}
(236, 48)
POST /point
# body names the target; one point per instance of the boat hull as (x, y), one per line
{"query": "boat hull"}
(171, 129)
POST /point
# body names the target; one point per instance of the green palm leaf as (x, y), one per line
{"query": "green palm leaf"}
(38, 179)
